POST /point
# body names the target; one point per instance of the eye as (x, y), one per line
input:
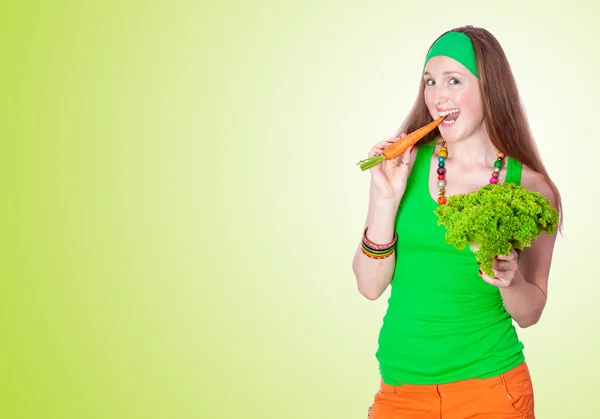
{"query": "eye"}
(454, 80)
(429, 82)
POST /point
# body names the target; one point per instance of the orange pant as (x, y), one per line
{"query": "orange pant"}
(506, 396)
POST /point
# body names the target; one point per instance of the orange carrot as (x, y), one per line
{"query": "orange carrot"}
(397, 148)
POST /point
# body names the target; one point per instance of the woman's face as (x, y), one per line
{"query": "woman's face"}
(450, 86)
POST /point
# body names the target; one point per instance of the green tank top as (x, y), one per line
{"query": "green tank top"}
(443, 322)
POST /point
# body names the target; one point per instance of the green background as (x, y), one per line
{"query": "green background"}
(181, 205)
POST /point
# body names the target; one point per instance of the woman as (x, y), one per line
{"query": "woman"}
(447, 347)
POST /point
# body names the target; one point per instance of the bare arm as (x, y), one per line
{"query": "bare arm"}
(526, 295)
(388, 183)
(374, 275)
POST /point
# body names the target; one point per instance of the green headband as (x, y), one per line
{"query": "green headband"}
(455, 45)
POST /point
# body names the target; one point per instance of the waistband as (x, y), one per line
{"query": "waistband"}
(463, 385)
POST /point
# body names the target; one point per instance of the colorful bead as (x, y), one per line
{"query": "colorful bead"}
(441, 171)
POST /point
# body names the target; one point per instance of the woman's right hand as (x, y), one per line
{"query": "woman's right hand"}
(390, 176)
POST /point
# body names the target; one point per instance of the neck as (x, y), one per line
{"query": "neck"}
(476, 149)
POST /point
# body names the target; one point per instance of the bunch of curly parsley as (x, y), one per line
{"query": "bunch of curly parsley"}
(495, 219)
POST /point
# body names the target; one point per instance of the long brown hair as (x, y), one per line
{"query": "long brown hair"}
(508, 128)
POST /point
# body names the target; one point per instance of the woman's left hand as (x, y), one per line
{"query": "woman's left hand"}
(505, 270)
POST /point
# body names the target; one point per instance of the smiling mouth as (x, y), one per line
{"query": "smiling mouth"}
(451, 115)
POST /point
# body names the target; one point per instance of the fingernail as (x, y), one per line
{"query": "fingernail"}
(479, 263)
(480, 272)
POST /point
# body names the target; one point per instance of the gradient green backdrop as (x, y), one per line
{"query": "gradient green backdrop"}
(181, 205)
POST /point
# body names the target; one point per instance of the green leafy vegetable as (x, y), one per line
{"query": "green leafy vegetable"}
(495, 219)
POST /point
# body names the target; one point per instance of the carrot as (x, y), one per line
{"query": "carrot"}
(396, 149)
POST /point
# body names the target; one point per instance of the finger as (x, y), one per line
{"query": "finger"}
(498, 282)
(379, 148)
(405, 160)
(513, 255)
(383, 144)
(503, 275)
(376, 151)
(392, 140)
(501, 265)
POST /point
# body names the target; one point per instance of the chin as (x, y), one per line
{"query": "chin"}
(450, 137)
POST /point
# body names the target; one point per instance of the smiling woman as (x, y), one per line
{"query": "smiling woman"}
(455, 91)
(448, 347)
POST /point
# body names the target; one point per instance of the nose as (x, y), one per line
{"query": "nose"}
(440, 96)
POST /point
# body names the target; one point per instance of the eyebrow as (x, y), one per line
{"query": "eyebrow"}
(445, 73)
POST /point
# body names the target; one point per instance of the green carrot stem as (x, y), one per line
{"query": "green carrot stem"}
(370, 162)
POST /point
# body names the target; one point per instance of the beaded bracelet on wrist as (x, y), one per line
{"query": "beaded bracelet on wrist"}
(374, 255)
(378, 251)
(376, 246)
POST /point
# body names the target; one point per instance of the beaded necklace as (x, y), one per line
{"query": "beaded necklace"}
(441, 171)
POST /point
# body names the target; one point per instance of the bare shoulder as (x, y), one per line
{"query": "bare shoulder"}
(536, 182)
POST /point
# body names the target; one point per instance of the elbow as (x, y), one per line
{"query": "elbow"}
(370, 296)
(360, 284)
(365, 288)
(369, 293)
(525, 323)
(367, 284)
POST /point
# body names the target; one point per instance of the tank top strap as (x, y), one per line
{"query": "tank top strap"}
(423, 163)
(513, 171)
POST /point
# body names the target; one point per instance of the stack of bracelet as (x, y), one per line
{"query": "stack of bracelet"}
(378, 251)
